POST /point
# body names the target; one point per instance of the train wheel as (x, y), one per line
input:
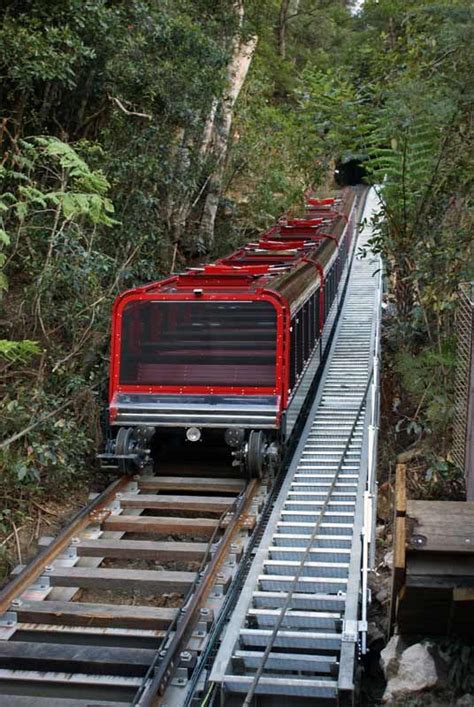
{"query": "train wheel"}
(256, 448)
(126, 445)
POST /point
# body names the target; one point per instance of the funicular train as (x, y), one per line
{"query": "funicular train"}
(228, 350)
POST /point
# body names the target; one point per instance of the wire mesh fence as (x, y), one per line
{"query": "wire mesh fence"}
(463, 439)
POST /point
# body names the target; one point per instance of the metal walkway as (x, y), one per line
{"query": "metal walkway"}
(300, 622)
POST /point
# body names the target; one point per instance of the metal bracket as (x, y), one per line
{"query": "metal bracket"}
(350, 630)
(8, 625)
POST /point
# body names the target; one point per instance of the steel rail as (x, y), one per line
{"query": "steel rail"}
(237, 585)
(93, 511)
(164, 670)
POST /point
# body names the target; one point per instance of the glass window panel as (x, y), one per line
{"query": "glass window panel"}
(198, 344)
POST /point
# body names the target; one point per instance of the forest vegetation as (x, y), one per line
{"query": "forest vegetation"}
(138, 136)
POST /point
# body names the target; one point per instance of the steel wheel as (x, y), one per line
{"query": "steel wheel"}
(125, 443)
(256, 447)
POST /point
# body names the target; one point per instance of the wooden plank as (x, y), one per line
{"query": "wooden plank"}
(116, 637)
(107, 615)
(399, 550)
(143, 549)
(432, 564)
(106, 578)
(399, 559)
(197, 484)
(462, 594)
(441, 526)
(139, 549)
(400, 490)
(196, 527)
(432, 509)
(207, 504)
(444, 538)
(448, 581)
(64, 657)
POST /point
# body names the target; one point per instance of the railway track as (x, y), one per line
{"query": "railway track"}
(300, 623)
(116, 608)
(128, 603)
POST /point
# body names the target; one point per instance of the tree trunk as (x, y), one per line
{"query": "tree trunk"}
(288, 10)
(237, 72)
(208, 131)
(281, 27)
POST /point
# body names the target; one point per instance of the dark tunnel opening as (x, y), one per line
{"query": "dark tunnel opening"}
(350, 172)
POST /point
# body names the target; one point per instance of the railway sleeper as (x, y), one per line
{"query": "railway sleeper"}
(58, 657)
(96, 615)
(64, 686)
(138, 549)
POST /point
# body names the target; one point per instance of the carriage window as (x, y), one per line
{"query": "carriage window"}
(198, 344)
(299, 342)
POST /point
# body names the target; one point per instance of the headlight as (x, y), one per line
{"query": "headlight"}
(193, 434)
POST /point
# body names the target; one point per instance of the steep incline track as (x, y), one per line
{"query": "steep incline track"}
(295, 629)
(117, 609)
(115, 598)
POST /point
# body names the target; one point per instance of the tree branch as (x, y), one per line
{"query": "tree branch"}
(119, 103)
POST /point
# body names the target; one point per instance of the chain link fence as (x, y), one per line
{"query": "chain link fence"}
(463, 440)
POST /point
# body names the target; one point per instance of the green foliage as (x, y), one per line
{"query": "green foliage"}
(105, 169)
(18, 351)
(336, 111)
(427, 377)
(404, 101)
(106, 104)
(52, 459)
(62, 279)
(82, 193)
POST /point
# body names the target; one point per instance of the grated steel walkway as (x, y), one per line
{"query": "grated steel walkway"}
(301, 617)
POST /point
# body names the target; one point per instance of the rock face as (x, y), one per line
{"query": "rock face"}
(388, 559)
(465, 701)
(390, 657)
(375, 636)
(412, 671)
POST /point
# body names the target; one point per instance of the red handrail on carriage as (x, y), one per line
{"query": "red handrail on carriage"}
(307, 222)
(212, 269)
(280, 245)
(311, 201)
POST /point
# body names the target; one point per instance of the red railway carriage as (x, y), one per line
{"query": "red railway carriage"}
(231, 346)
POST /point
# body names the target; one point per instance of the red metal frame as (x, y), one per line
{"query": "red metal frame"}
(281, 374)
(233, 279)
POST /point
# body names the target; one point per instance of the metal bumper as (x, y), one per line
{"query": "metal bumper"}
(251, 411)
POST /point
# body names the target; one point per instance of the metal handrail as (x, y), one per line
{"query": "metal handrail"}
(370, 494)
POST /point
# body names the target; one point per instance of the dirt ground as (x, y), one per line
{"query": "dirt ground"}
(20, 544)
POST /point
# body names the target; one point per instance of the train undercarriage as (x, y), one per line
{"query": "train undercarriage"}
(251, 453)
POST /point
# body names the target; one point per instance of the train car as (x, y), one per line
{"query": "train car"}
(229, 350)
